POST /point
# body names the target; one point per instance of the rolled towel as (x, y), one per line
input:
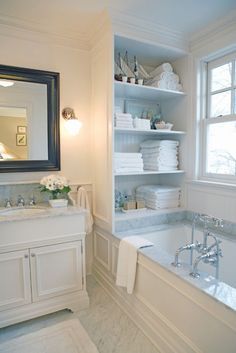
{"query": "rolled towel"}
(165, 67)
(82, 201)
(127, 261)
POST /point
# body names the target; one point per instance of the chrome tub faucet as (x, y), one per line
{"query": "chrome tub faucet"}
(210, 255)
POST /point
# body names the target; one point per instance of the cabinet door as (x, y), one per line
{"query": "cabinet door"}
(14, 279)
(56, 270)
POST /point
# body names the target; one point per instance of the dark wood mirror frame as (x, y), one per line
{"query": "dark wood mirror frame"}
(52, 80)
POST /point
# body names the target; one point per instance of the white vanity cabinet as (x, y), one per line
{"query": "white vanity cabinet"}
(42, 266)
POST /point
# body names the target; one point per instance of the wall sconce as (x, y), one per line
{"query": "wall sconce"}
(72, 123)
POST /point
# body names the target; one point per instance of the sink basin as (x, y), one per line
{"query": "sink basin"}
(22, 211)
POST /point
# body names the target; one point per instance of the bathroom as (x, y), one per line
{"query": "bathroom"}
(93, 72)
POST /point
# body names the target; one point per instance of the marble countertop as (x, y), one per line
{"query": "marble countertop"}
(38, 211)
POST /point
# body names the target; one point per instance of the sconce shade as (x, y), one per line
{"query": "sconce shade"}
(72, 124)
(6, 83)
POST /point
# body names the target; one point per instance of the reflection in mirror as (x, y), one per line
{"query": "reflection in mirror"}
(29, 120)
(23, 121)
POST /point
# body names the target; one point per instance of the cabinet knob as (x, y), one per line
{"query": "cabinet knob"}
(26, 256)
(32, 255)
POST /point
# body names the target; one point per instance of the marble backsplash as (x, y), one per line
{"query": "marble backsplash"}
(27, 191)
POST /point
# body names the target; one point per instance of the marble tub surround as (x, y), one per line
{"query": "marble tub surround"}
(219, 291)
(228, 229)
(147, 219)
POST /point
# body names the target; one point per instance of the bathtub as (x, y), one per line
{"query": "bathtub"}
(172, 238)
(178, 313)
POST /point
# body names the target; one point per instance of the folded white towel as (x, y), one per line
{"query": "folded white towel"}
(158, 143)
(157, 189)
(127, 261)
(128, 170)
(82, 201)
(123, 116)
(127, 155)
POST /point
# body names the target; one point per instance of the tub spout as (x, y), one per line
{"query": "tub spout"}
(176, 262)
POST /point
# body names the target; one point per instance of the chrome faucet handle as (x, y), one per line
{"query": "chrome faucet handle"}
(20, 201)
(218, 222)
(8, 203)
(32, 201)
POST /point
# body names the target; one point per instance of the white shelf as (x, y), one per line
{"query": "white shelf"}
(148, 132)
(134, 91)
(121, 216)
(150, 172)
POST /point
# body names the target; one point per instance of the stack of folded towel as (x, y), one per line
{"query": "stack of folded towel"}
(160, 155)
(164, 77)
(159, 196)
(123, 121)
(143, 124)
(128, 162)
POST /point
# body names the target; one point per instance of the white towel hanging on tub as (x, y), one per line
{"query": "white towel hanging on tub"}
(127, 261)
(82, 201)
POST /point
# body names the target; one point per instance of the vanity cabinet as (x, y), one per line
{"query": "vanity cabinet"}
(42, 265)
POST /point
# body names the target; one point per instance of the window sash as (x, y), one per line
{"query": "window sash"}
(207, 120)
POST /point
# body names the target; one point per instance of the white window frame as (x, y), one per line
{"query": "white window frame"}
(206, 120)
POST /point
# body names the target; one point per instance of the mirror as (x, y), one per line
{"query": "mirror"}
(29, 120)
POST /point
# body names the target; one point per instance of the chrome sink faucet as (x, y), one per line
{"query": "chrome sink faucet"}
(20, 201)
(8, 203)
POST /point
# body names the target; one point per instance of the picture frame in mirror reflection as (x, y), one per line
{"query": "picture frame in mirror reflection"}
(21, 140)
(21, 129)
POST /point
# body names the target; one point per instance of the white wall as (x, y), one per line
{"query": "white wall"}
(74, 67)
(218, 200)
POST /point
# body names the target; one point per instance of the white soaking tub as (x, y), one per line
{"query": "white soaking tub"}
(172, 238)
(178, 313)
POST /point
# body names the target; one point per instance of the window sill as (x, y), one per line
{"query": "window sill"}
(212, 184)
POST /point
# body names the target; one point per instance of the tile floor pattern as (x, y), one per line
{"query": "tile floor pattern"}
(107, 325)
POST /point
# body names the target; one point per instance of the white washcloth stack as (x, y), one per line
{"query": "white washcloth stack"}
(159, 196)
(164, 77)
(142, 124)
(123, 121)
(160, 155)
(128, 162)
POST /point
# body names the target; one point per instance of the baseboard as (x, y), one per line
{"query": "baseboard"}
(162, 334)
(74, 301)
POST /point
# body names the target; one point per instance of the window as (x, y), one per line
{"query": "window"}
(219, 123)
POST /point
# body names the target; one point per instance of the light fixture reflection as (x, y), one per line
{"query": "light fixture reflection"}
(6, 83)
(72, 124)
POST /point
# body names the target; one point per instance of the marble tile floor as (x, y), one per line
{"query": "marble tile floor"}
(108, 326)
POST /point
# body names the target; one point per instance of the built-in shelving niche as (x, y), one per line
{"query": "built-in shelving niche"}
(173, 108)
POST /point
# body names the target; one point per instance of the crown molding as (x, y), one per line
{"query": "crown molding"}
(28, 30)
(127, 25)
(109, 20)
(223, 30)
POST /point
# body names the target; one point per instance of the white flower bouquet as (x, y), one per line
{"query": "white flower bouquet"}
(55, 185)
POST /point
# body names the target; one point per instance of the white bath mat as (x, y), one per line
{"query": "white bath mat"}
(66, 337)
